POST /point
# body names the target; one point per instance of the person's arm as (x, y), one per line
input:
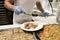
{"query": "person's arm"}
(8, 5)
(39, 6)
(11, 7)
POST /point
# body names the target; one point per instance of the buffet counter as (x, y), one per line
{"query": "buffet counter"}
(49, 32)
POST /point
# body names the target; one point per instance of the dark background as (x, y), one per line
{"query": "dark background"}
(50, 0)
(6, 16)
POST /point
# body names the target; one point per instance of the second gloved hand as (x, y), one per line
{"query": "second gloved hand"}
(18, 10)
(44, 14)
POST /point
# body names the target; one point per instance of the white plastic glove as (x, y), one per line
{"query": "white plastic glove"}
(18, 10)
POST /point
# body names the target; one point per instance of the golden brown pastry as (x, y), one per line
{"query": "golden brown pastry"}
(50, 32)
(30, 25)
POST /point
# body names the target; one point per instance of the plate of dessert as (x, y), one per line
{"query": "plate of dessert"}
(31, 26)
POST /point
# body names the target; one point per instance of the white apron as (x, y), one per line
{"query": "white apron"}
(27, 5)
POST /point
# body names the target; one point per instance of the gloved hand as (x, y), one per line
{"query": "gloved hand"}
(44, 14)
(18, 10)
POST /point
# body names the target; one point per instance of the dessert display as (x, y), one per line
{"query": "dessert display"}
(49, 32)
(15, 34)
(30, 25)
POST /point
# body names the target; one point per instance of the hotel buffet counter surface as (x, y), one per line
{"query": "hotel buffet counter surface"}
(49, 32)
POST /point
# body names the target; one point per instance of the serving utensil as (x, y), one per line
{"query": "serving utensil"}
(35, 34)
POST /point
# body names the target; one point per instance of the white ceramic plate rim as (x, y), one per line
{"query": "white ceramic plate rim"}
(40, 25)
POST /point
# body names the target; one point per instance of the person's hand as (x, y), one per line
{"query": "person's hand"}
(18, 10)
(44, 14)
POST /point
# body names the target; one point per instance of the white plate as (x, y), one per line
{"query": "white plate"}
(40, 25)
